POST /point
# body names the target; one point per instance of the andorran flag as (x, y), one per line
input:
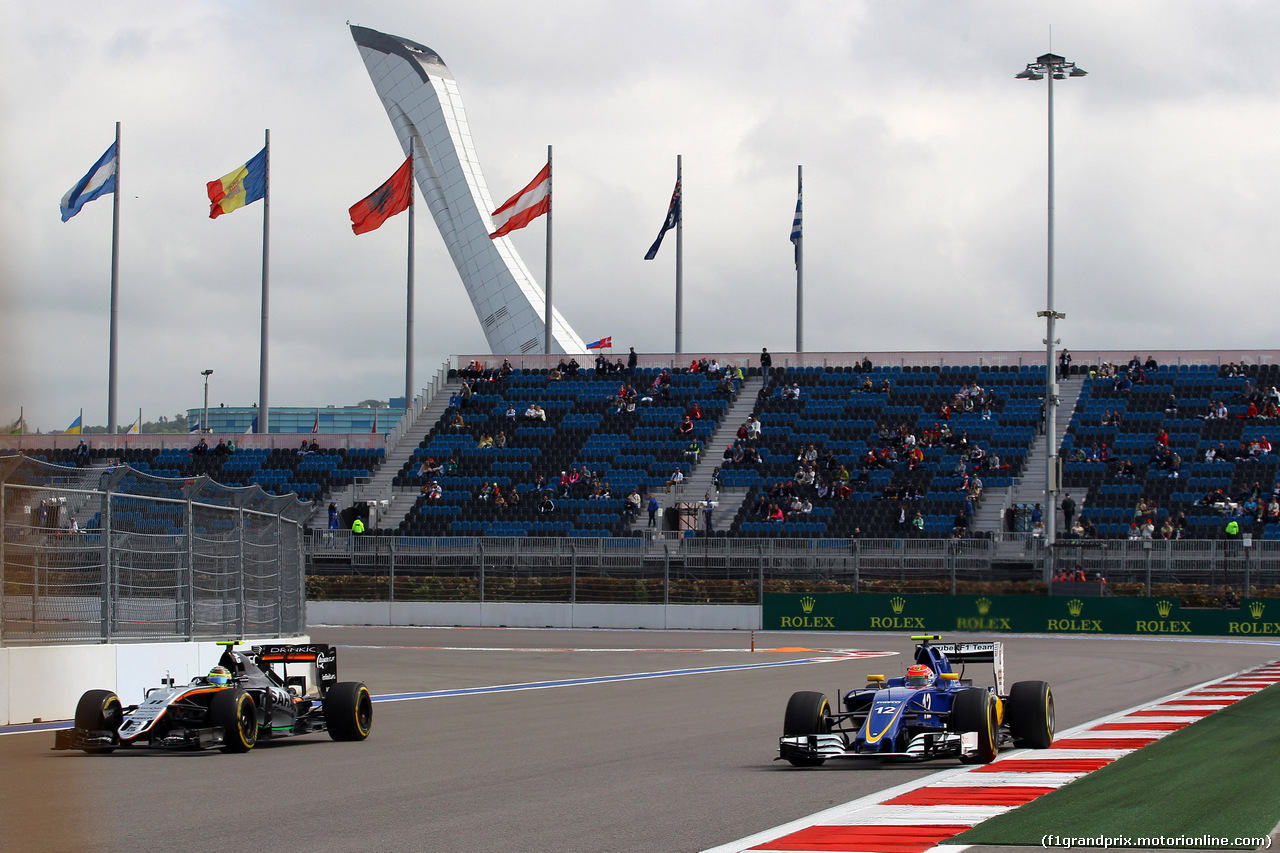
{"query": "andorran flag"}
(243, 186)
(386, 201)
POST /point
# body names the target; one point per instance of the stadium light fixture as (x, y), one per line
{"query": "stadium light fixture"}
(204, 421)
(1053, 67)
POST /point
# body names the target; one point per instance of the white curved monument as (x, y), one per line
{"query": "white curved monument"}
(421, 99)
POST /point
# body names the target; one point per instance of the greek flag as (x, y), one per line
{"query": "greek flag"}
(795, 226)
(100, 181)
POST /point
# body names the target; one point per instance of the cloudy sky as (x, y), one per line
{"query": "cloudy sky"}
(924, 164)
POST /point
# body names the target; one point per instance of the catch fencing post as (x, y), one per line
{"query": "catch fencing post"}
(240, 618)
(106, 566)
(573, 574)
(480, 550)
(188, 581)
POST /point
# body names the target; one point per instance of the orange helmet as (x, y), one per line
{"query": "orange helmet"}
(919, 675)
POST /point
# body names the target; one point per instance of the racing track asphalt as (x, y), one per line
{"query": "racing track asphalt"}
(667, 764)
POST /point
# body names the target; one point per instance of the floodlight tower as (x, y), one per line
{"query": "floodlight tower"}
(1051, 67)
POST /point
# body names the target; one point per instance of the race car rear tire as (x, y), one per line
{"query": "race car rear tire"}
(237, 714)
(807, 714)
(975, 711)
(99, 710)
(1031, 714)
(348, 711)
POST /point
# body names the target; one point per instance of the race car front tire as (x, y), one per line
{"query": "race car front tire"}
(975, 711)
(1031, 715)
(235, 712)
(348, 711)
(808, 713)
(99, 711)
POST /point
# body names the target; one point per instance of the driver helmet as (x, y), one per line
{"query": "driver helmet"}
(219, 675)
(919, 675)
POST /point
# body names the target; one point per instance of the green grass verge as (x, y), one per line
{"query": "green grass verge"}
(1217, 777)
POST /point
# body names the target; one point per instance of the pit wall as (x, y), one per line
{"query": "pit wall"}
(721, 617)
(1058, 614)
(46, 682)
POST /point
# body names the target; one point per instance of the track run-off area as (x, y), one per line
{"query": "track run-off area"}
(557, 740)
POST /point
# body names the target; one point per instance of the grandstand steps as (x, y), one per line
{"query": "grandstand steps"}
(379, 485)
(1029, 489)
(698, 483)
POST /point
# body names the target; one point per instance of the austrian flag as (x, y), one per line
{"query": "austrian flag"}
(525, 206)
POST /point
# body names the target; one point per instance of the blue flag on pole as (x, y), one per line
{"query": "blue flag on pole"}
(795, 226)
(673, 216)
(100, 181)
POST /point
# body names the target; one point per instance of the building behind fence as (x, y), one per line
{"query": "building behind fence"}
(111, 553)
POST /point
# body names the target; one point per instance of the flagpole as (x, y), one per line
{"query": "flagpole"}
(679, 262)
(800, 268)
(547, 313)
(263, 421)
(408, 331)
(115, 276)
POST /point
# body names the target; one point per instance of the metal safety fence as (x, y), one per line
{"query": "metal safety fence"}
(107, 554)
(346, 567)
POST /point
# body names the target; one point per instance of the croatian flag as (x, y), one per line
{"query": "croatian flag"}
(100, 181)
(603, 343)
(525, 206)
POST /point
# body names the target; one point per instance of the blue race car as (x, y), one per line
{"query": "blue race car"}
(932, 712)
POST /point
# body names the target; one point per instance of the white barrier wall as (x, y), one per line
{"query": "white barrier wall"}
(720, 617)
(46, 682)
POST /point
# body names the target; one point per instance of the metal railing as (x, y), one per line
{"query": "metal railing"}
(109, 554)
(343, 566)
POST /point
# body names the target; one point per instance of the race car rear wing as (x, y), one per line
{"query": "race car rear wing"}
(967, 653)
(315, 665)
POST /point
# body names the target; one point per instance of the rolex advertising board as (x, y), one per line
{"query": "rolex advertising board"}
(1014, 613)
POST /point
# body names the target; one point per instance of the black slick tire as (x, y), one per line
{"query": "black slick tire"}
(236, 713)
(975, 711)
(807, 713)
(1031, 714)
(99, 711)
(348, 711)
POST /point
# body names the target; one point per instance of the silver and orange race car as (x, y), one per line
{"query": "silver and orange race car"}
(262, 699)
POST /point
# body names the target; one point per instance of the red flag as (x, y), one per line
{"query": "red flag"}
(525, 206)
(385, 202)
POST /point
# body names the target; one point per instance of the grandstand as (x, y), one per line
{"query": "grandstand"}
(439, 478)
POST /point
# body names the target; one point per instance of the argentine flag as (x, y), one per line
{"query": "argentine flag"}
(100, 181)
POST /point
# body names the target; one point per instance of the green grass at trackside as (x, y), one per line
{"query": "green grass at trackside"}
(1218, 777)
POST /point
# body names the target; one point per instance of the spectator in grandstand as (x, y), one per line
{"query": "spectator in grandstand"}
(1068, 510)
(535, 413)
(547, 506)
(357, 525)
(753, 428)
(686, 426)
(1037, 515)
(456, 422)
(81, 454)
(632, 360)
(917, 523)
(220, 449)
(501, 440)
(776, 513)
(766, 362)
(631, 506)
(1166, 529)
(201, 448)
(485, 442)
(513, 497)
(451, 466)
(653, 511)
(1148, 530)
(676, 478)
(692, 450)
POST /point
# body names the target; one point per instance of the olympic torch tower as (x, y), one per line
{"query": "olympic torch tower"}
(421, 98)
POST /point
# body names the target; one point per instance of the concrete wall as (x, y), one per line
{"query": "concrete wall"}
(494, 615)
(46, 682)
